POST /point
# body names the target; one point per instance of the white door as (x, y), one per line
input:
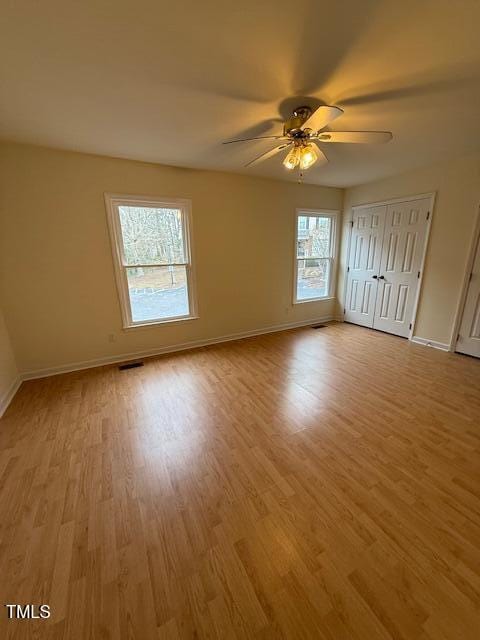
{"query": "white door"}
(400, 264)
(386, 252)
(469, 335)
(363, 264)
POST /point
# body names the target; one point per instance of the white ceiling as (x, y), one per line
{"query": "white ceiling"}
(168, 81)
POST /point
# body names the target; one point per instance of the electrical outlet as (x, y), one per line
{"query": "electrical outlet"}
(111, 337)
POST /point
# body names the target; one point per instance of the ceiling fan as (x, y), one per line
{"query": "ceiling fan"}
(303, 131)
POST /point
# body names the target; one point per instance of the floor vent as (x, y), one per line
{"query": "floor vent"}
(319, 326)
(130, 365)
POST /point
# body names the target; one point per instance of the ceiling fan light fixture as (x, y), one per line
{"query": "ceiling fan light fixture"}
(304, 127)
(292, 159)
(308, 156)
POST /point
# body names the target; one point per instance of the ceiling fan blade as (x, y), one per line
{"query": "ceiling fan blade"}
(321, 117)
(321, 157)
(363, 137)
(268, 154)
(258, 138)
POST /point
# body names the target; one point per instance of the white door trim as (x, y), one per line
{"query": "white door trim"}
(380, 203)
(466, 280)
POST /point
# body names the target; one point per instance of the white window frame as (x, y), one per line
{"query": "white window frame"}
(112, 203)
(320, 213)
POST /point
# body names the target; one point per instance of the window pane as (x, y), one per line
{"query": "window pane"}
(157, 292)
(313, 236)
(312, 278)
(152, 235)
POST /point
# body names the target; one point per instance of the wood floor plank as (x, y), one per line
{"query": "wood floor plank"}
(306, 484)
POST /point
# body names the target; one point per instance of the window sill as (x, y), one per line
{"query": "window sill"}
(155, 323)
(314, 300)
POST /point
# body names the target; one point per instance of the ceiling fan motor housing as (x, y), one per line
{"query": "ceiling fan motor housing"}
(294, 124)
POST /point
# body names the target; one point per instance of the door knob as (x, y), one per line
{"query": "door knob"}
(374, 277)
(381, 277)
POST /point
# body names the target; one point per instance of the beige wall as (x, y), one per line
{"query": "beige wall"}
(8, 367)
(457, 185)
(56, 273)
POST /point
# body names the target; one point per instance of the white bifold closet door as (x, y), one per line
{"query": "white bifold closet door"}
(386, 253)
(364, 263)
(469, 334)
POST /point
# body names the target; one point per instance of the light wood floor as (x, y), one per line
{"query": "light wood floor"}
(310, 484)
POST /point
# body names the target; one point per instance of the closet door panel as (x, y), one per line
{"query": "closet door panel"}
(401, 258)
(469, 333)
(363, 264)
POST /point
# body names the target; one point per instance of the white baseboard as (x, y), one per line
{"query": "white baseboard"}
(8, 397)
(431, 343)
(98, 362)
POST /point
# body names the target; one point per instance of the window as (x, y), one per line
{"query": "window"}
(151, 247)
(314, 255)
